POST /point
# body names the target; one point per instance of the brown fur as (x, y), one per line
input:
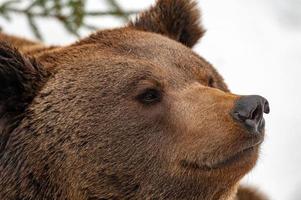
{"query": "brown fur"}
(249, 194)
(87, 131)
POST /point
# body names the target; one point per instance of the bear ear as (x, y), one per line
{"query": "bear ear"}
(20, 79)
(176, 19)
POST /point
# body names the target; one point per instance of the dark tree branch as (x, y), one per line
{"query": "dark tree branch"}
(70, 14)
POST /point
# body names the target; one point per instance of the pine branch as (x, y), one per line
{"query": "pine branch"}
(70, 13)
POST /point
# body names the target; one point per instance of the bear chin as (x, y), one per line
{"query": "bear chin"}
(240, 159)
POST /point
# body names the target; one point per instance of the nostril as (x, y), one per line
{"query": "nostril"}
(256, 114)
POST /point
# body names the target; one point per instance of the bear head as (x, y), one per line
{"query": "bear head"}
(127, 113)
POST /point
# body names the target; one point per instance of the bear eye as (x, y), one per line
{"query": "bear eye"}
(149, 96)
(211, 82)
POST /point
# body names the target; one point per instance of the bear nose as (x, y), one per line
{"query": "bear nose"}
(249, 110)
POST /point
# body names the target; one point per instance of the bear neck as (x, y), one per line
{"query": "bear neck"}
(179, 191)
(206, 194)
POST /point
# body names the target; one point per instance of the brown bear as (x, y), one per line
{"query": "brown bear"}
(127, 113)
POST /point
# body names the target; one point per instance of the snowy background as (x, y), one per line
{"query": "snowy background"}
(256, 46)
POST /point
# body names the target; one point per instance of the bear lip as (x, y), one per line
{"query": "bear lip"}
(234, 158)
(245, 152)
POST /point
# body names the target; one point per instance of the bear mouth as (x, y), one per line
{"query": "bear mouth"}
(229, 161)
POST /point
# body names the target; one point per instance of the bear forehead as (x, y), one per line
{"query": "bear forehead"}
(142, 45)
(125, 54)
(139, 51)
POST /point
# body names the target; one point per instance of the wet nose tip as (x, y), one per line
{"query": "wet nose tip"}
(249, 110)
